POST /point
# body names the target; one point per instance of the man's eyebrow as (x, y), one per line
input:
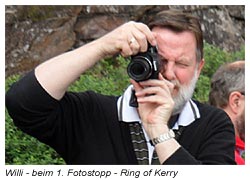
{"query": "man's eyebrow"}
(182, 59)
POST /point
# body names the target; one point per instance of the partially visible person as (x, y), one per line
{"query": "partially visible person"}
(228, 93)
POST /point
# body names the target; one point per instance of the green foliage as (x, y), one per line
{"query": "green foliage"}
(202, 89)
(24, 149)
(38, 13)
(214, 57)
(108, 77)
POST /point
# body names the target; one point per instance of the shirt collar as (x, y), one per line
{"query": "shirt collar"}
(129, 114)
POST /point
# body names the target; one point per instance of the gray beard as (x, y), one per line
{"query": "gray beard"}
(185, 94)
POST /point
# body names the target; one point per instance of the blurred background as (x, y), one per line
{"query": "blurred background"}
(34, 34)
(37, 33)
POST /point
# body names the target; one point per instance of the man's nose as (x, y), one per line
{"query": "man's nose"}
(169, 72)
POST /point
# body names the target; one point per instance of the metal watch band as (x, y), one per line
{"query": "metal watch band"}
(163, 137)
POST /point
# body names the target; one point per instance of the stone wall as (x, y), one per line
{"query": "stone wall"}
(37, 33)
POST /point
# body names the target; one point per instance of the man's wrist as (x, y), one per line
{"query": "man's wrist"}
(155, 130)
(162, 137)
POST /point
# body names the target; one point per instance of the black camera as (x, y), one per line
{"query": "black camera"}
(144, 66)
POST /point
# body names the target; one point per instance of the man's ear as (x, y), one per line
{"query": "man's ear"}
(234, 101)
(200, 66)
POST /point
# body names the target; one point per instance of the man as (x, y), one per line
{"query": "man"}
(228, 93)
(90, 128)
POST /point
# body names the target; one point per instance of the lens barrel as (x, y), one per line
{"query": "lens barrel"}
(140, 68)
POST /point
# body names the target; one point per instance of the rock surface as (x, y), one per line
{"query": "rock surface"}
(37, 33)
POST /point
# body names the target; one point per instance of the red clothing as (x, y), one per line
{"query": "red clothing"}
(239, 151)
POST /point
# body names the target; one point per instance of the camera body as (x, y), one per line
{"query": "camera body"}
(144, 65)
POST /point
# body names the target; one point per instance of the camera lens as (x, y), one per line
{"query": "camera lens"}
(140, 69)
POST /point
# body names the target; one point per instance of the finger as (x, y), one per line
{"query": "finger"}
(168, 83)
(145, 30)
(158, 82)
(134, 46)
(126, 50)
(161, 77)
(155, 35)
(141, 40)
(136, 85)
(153, 82)
(154, 99)
(151, 91)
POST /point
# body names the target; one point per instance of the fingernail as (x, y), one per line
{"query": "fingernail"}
(154, 42)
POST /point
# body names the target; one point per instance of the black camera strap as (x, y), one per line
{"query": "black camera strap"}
(133, 100)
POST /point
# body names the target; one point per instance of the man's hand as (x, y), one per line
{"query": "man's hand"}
(155, 104)
(128, 39)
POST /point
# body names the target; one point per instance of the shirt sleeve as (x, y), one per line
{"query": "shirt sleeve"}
(53, 122)
(27, 101)
(208, 140)
(181, 157)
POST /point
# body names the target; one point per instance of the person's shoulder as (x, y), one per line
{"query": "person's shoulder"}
(205, 106)
(207, 110)
(213, 117)
(92, 96)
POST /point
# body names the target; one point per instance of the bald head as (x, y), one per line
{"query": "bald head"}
(237, 64)
(228, 78)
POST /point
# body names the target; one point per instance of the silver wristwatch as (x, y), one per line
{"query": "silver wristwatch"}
(163, 137)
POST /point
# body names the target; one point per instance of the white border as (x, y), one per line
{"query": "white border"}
(185, 172)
